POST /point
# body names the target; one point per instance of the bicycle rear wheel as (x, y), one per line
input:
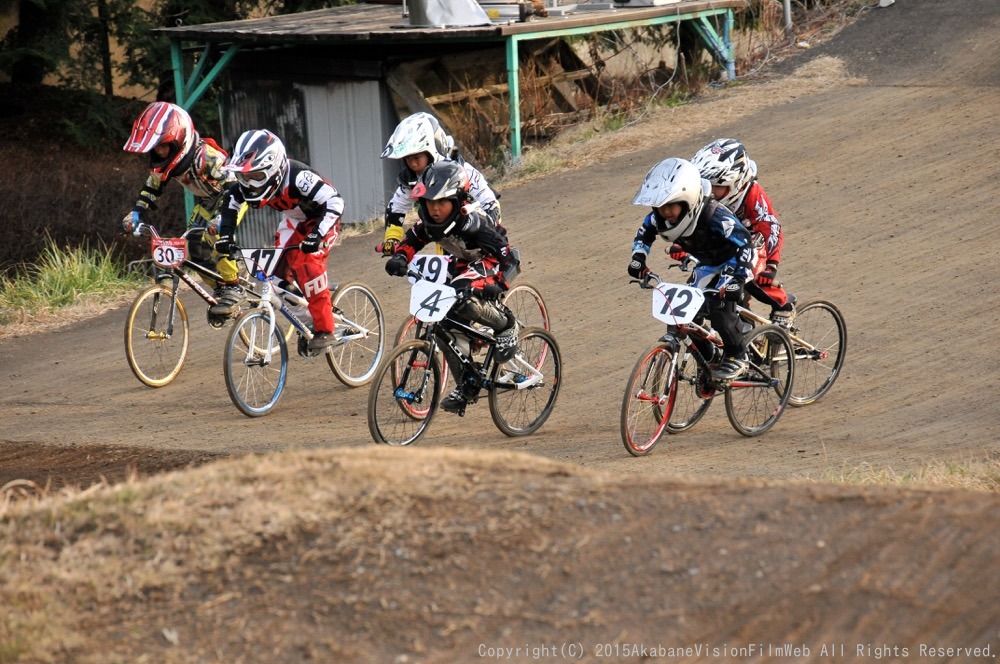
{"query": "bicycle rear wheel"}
(756, 400)
(527, 305)
(254, 381)
(649, 398)
(525, 389)
(361, 330)
(821, 325)
(693, 396)
(407, 381)
(156, 344)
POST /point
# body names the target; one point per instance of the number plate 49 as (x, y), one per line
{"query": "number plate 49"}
(675, 304)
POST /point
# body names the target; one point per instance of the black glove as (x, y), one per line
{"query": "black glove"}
(492, 291)
(637, 268)
(312, 243)
(731, 288)
(225, 245)
(396, 266)
(766, 276)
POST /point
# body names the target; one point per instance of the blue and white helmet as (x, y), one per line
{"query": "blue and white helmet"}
(675, 181)
(725, 163)
(420, 132)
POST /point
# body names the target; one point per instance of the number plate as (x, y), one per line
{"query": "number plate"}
(261, 262)
(675, 304)
(430, 302)
(169, 251)
(432, 267)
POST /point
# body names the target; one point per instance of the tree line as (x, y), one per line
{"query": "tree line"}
(72, 39)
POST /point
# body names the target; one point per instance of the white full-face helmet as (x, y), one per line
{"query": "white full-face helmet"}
(420, 132)
(675, 181)
(725, 163)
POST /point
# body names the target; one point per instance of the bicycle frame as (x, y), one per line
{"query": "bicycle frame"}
(276, 294)
(755, 318)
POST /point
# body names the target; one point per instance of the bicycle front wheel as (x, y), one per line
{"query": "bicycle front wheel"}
(526, 303)
(693, 393)
(756, 400)
(156, 336)
(649, 398)
(525, 389)
(407, 382)
(818, 361)
(255, 364)
(413, 329)
(360, 331)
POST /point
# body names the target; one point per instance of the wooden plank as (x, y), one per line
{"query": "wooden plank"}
(501, 88)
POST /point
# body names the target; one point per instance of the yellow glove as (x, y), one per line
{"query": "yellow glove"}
(393, 235)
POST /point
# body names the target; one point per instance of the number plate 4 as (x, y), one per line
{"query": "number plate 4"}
(675, 304)
(430, 302)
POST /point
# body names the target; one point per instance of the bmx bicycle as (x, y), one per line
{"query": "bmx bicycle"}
(157, 331)
(407, 387)
(674, 365)
(255, 360)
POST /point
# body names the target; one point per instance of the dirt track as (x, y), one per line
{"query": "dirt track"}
(886, 192)
(886, 189)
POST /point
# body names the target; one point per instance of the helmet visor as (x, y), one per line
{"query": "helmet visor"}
(252, 179)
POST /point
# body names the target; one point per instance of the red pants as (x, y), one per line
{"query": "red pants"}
(309, 270)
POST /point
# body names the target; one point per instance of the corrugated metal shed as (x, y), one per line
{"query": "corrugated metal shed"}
(330, 66)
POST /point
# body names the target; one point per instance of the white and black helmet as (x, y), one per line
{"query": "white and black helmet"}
(259, 163)
(675, 181)
(725, 163)
(420, 132)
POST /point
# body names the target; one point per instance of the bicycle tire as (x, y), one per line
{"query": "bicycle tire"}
(756, 401)
(517, 410)
(526, 303)
(255, 387)
(390, 421)
(409, 330)
(822, 326)
(648, 400)
(689, 403)
(354, 361)
(155, 353)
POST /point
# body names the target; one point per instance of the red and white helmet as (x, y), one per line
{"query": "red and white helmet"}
(260, 164)
(725, 163)
(163, 123)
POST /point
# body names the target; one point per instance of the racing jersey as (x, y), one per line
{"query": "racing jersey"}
(401, 203)
(758, 215)
(718, 238)
(304, 196)
(200, 173)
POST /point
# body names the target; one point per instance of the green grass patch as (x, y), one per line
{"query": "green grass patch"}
(63, 277)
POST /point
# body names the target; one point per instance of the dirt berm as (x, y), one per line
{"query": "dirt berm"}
(879, 150)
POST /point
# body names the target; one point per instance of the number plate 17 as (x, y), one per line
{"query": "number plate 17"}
(675, 304)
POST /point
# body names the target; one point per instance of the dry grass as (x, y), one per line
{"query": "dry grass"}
(972, 474)
(662, 126)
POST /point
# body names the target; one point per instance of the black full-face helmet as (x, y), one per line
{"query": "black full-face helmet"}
(441, 180)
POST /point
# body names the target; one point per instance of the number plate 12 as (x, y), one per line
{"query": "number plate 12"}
(675, 304)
